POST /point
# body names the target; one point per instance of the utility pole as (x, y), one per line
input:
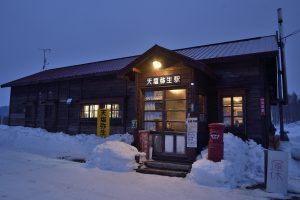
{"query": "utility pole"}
(282, 82)
(45, 51)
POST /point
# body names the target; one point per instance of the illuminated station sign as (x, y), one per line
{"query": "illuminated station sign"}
(163, 80)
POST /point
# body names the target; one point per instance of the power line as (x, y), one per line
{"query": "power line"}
(291, 34)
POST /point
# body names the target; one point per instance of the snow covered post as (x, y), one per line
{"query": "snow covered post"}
(216, 144)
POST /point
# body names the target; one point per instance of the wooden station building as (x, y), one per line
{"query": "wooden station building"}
(232, 82)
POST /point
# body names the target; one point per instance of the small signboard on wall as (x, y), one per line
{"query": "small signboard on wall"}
(277, 172)
(134, 123)
(192, 129)
(262, 106)
(103, 122)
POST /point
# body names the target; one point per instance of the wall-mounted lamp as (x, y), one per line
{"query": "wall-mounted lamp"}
(156, 64)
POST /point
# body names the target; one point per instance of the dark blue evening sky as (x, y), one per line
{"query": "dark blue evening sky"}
(93, 30)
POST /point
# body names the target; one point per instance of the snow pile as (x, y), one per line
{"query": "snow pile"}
(293, 149)
(40, 141)
(243, 164)
(296, 153)
(294, 136)
(113, 156)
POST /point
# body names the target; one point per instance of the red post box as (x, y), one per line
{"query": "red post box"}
(144, 142)
(216, 144)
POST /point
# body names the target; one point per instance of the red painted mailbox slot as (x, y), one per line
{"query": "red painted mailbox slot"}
(144, 142)
(216, 144)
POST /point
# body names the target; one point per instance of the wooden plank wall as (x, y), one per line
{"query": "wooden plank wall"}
(249, 76)
(93, 90)
(17, 105)
(205, 86)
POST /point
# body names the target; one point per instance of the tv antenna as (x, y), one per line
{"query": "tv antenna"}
(45, 51)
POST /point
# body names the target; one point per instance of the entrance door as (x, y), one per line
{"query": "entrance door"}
(165, 116)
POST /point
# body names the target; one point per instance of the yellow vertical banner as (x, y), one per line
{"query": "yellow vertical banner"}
(103, 122)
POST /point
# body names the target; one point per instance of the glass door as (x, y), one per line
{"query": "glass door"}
(175, 129)
(153, 117)
(165, 116)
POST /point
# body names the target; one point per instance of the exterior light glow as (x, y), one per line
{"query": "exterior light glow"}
(177, 91)
(156, 64)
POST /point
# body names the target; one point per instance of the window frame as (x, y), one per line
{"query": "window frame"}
(164, 121)
(202, 108)
(112, 110)
(91, 113)
(232, 116)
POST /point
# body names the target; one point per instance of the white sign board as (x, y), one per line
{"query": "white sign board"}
(277, 174)
(192, 129)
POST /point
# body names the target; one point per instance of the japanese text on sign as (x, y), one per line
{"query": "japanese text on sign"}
(103, 123)
(277, 172)
(163, 80)
(192, 129)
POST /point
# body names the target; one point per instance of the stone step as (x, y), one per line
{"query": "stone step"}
(162, 172)
(168, 166)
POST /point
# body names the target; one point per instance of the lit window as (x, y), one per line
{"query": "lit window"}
(232, 111)
(89, 111)
(114, 110)
(94, 111)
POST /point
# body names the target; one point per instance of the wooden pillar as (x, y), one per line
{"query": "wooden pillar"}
(67, 130)
(125, 106)
(10, 100)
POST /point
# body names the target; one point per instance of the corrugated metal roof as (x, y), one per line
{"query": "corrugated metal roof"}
(233, 48)
(74, 71)
(212, 51)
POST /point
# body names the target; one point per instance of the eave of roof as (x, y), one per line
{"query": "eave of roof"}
(157, 50)
(237, 48)
(75, 71)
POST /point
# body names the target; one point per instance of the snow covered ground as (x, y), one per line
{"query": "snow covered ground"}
(29, 169)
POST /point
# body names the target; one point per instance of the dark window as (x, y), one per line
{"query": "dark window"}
(202, 108)
(49, 112)
(29, 112)
(232, 107)
(202, 104)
